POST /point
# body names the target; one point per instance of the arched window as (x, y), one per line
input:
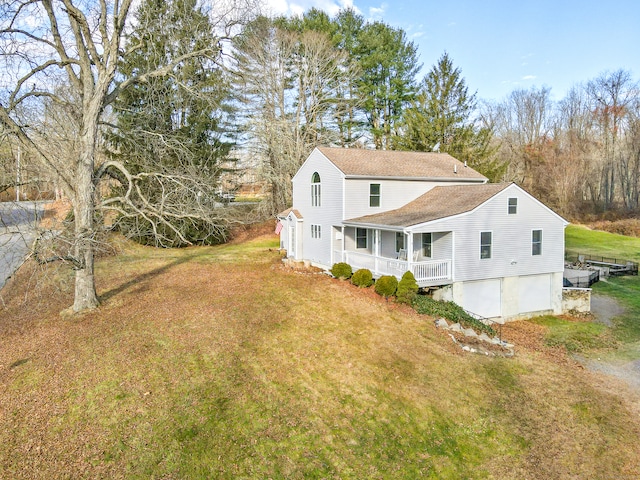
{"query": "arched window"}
(315, 189)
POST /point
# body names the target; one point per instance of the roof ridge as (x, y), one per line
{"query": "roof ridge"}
(399, 164)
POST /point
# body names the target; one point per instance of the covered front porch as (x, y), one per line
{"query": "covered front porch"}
(428, 255)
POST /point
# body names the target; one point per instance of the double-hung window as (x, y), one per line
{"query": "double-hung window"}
(536, 242)
(399, 241)
(361, 238)
(426, 245)
(374, 194)
(485, 244)
(513, 206)
(315, 190)
(316, 231)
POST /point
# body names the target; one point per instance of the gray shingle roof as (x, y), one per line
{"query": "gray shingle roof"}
(439, 202)
(390, 163)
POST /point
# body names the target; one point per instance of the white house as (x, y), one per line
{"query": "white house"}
(491, 248)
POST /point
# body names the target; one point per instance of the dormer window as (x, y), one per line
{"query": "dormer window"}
(315, 189)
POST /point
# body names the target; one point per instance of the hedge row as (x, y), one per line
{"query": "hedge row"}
(386, 286)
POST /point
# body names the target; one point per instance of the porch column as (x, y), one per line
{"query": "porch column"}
(409, 249)
(376, 249)
(343, 253)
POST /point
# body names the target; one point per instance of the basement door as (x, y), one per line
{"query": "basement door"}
(483, 297)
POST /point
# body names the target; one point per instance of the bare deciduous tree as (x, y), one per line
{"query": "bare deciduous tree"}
(77, 44)
(611, 96)
(292, 85)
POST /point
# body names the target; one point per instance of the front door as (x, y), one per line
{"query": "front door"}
(292, 241)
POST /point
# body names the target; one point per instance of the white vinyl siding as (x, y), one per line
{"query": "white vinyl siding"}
(325, 215)
(393, 194)
(511, 238)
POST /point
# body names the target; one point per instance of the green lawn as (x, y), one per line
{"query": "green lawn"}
(622, 339)
(625, 289)
(219, 362)
(582, 240)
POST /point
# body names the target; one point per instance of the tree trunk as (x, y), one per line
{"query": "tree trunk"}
(85, 289)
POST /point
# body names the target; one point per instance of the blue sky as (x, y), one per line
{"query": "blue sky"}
(501, 46)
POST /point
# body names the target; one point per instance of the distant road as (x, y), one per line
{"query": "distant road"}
(17, 233)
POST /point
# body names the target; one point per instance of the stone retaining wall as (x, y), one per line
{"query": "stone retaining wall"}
(576, 300)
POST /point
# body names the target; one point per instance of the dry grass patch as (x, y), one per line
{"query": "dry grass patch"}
(218, 362)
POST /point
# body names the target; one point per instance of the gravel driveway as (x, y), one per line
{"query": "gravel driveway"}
(605, 309)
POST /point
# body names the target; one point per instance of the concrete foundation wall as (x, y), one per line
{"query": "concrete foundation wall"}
(511, 293)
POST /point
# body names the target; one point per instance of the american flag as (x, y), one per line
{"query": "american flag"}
(279, 227)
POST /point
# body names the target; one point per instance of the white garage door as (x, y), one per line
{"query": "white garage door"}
(483, 298)
(534, 293)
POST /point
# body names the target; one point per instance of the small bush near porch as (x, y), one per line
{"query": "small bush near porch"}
(386, 285)
(362, 278)
(341, 270)
(407, 288)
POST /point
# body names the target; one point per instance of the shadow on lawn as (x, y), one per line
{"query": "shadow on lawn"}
(143, 277)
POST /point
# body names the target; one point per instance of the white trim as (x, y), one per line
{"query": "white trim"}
(453, 256)
(416, 179)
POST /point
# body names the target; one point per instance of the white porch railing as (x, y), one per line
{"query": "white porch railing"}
(429, 272)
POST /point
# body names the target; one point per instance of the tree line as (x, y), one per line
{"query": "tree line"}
(139, 114)
(347, 82)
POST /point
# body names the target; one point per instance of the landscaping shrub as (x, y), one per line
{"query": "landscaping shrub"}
(341, 270)
(407, 288)
(362, 278)
(449, 310)
(386, 285)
